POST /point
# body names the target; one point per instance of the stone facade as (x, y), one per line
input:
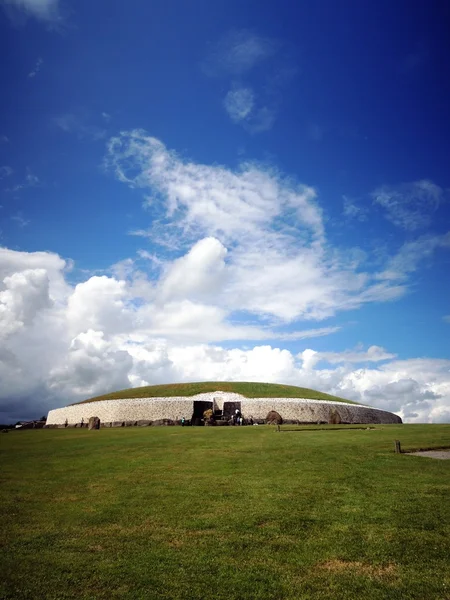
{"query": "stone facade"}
(299, 410)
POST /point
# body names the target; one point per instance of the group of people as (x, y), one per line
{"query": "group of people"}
(238, 419)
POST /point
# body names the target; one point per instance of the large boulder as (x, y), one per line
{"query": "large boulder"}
(274, 418)
(208, 414)
(94, 423)
(334, 417)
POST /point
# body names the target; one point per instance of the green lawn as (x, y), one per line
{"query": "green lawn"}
(224, 512)
(246, 388)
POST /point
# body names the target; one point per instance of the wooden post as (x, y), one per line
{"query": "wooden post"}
(398, 449)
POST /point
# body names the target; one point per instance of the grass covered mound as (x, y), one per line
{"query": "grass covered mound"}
(226, 513)
(245, 388)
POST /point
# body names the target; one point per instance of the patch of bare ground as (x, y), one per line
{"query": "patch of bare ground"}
(440, 454)
(368, 570)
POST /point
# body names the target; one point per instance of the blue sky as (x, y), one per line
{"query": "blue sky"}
(261, 188)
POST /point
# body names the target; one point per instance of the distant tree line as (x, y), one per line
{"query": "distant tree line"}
(13, 425)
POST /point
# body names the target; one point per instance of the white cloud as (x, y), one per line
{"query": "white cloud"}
(91, 366)
(20, 219)
(31, 180)
(12, 262)
(238, 52)
(196, 275)
(79, 125)
(373, 354)
(411, 205)
(45, 10)
(239, 103)
(25, 294)
(271, 227)
(100, 303)
(411, 254)
(5, 171)
(419, 389)
(36, 69)
(303, 335)
(261, 120)
(309, 358)
(352, 210)
(206, 199)
(239, 57)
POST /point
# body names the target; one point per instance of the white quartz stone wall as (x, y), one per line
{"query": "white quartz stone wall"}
(174, 408)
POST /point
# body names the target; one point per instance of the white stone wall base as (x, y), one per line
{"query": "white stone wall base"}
(300, 410)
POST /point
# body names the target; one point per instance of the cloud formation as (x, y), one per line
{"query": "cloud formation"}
(373, 354)
(256, 73)
(352, 210)
(408, 258)
(36, 69)
(6, 171)
(271, 226)
(30, 181)
(409, 206)
(20, 219)
(45, 10)
(238, 52)
(242, 109)
(239, 103)
(79, 125)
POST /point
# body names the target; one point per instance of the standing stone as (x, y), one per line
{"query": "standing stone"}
(274, 418)
(94, 423)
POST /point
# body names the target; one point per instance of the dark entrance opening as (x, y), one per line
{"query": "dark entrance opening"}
(199, 408)
(229, 409)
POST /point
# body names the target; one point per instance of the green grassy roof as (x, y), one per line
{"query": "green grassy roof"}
(246, 388)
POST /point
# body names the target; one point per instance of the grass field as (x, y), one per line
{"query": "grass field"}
(246, 388)
(225, 513)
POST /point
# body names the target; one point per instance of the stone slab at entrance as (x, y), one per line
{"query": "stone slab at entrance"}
(94, 423)
(199, 408)
(229, 409)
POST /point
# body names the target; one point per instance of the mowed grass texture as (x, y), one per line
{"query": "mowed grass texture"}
(246, 388)
(226, 513)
